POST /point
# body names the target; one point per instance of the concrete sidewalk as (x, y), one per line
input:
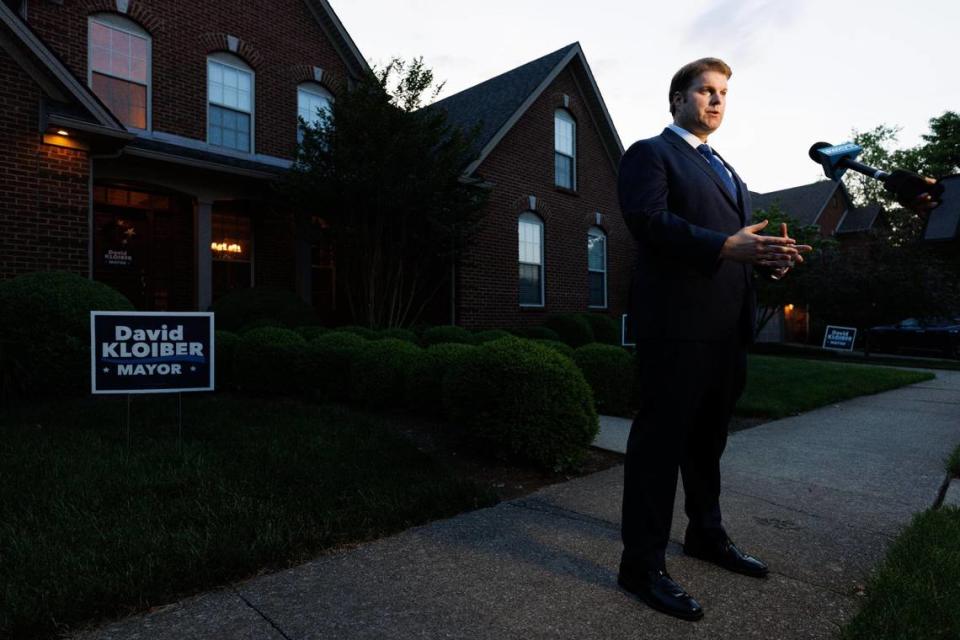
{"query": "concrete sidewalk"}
(817, 496)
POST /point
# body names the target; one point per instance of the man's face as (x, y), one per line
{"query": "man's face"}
(700, 108)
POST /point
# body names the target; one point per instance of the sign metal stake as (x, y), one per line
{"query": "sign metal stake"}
(128, 423)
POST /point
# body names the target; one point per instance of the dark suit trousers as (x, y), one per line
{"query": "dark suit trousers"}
(687, 395)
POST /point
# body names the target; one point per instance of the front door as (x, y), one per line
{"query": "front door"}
(144, 247)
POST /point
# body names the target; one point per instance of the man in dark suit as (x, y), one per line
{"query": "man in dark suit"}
(693, 309)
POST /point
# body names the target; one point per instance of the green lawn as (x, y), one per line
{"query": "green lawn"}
(779, 386)
(92, 528)
(914, 593)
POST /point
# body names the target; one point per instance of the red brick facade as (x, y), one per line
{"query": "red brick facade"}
(282, 48)
(49, 222)
(522, 165)
(43, 189)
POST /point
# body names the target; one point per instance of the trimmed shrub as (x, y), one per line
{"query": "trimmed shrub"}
(536, 333)
(611, 373)
(489, 335)
(605, 329)
(364, 332)
(399, 334)
(225, 347)
(572, 329)
(380, 372)
(245, 309)
(425, 380)
(445, 334)
(310, 332)
(560, 347)
(270, 360)
(524, 401)
(45, 331)
(329, 360)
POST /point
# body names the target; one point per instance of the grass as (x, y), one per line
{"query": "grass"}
(953, 463)
(880, 359)
(913, 594)
(90, 528)
(778, 386)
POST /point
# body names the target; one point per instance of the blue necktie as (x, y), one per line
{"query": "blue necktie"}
(719, 169)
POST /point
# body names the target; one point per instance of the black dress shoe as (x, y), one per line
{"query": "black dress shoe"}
(725, 554)
(658, 590)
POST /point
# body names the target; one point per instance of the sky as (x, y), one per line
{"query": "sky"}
(803, 70)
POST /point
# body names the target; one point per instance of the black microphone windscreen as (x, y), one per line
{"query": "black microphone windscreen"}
(815, 148)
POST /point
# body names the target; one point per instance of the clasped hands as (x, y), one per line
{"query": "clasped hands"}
(778, 253)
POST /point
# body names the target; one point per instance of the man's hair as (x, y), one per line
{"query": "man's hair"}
(684, 78)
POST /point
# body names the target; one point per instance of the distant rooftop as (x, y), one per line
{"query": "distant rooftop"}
(492, 102)
(803, 203)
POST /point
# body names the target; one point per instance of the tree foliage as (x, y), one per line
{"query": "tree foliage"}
(385, 174)
(803, 282)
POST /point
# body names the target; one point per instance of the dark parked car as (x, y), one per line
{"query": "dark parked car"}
(940, 337)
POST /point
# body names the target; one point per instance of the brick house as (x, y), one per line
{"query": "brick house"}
(826, 205)
(141, 140)
(553, 239)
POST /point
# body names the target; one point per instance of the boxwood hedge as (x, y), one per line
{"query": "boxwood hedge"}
(524, 401)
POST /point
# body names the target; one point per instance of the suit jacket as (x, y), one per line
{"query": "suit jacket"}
(680, 214)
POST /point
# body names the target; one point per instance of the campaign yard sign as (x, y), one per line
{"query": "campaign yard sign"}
(840, 338)
(151, 352)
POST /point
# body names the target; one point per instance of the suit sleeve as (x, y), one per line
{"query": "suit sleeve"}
(643, 188)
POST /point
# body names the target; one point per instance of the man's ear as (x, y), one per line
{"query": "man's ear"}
(676, 99)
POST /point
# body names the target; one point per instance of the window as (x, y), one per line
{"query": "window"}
(230, 109)
(530, 233)
(597, 267)
(119, 68)
(231, 249)
(564, 138)
(311, 99)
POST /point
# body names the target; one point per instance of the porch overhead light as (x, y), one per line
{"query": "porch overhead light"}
(63, 132)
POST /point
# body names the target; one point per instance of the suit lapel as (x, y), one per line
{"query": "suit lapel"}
(685, 149)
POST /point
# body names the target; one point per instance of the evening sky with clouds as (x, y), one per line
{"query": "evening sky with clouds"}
(803, 71)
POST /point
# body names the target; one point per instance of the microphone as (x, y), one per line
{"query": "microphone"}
(904, 185)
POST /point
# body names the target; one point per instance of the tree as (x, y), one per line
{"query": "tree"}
(940, 154)
(386, 175)
(803, 281)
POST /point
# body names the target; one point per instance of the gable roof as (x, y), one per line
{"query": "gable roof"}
(333, 28)
(859, 219)
(496, 104)
(804, 203)
(69, 102)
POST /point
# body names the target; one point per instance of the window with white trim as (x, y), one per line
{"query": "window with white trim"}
(565, 153)
(530, 235)
(230, 102)
(118, 67)
(597, 267)
(311, 100)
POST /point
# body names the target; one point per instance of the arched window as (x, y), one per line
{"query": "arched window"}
(530, 235)
(311, 100)
(230, 102)
(565, 149)
(597, 267)
(118, 67)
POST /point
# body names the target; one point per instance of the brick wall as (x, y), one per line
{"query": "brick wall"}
(280, 40)
(43, 189)
(522, 165)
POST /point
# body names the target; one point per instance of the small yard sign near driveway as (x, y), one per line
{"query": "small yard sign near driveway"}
(839, 338)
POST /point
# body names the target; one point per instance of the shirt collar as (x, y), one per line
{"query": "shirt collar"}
(691, 139)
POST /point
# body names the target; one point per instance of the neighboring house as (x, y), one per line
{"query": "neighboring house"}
(822, 204)
(826, 205)
(553, 239)
(141, 138)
